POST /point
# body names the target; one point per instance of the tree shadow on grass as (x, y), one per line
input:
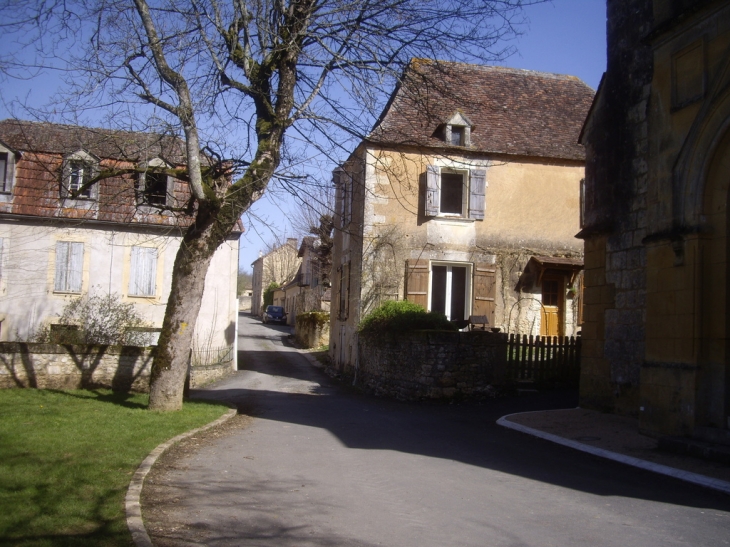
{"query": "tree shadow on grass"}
(114, 397)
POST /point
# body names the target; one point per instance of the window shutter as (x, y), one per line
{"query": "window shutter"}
(417, 274)
(2, 241)
(75, 266)
(432, 191)
(484, 291)
(143, 271)
(59, 283)
(477, 191)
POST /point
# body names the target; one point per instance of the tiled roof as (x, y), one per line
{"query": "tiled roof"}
(103, 143)
(515, 112)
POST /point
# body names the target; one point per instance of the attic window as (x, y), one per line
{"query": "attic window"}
(154, 186)
(78, 170)
(457, 130)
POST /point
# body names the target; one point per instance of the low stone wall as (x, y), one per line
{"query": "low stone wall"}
(312, 329)
(431, 364)
(122, 368)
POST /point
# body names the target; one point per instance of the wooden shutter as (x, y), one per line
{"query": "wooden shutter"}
(417, 274)
(432, 191)
(69, 266)
(143, 271)
(477, 191)
(485, 288)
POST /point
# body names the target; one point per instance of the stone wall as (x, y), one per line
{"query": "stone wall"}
(122, 368)
(431, 364)
(312, 329)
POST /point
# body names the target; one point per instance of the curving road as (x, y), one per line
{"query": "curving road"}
(320, 465)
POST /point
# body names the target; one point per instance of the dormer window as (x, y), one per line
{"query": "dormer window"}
(78, 170)
(457, 130)
(154, 186)
(7, 169)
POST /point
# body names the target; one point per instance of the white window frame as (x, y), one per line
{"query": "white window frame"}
(447, 296)
(143, 261)
(68, 275)
(89, 166)
(7, 179)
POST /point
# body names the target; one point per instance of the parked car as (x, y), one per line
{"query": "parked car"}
(275, 314)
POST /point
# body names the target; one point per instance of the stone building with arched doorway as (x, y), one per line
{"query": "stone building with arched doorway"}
(656, 333)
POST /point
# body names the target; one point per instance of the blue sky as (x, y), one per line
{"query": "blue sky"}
(563, 36)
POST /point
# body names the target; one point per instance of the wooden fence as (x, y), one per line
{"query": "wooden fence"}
(542, 359)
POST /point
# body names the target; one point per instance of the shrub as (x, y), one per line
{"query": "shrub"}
(269, 294)
(403, 316)
(98, 319)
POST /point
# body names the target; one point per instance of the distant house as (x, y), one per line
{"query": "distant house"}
(469, 173)
(656, 228)
(61, 238)
(279, 266)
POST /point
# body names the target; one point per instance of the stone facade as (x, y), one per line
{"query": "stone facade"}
(122, 368)
(431, 364)
(656, 228)
(312, 330)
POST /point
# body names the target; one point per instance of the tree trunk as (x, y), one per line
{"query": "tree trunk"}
(171, 361)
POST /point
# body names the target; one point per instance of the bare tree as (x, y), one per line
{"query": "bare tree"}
(313, 70)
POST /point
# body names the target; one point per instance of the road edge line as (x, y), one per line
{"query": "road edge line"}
(687, 476)
(132, 504)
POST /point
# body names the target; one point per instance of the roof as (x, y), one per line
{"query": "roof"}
(536, 266)
(104, 143)
(307, 243)
(514, 112)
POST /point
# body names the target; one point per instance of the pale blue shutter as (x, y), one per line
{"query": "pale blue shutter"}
(69, 266)
(75, 267)
(477, 192)
(143, 271)
(432, 191)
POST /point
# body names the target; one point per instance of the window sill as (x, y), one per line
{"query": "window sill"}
(454, 218)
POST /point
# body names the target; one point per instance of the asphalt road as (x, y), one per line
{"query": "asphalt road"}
(321, 465)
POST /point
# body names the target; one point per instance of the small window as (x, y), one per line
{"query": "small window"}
(143, 272)
(155, 189)
(78, 170)
(457, 136)
(4, 172)
(455, 193)
(452, 193)
(80, 174)
(69, 267)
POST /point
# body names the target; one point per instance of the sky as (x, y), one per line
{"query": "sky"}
(562, 36)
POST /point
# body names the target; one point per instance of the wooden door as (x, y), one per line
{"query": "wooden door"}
(553, 298)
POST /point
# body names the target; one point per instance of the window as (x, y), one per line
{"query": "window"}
(457, 130)
(79, 175)
(3, 171)
(449, 290)
(455, 193)
(78, 169)
(154, 186)
(457, 136)
(344, 291)
(69, 267)
(7, 170)
(143, 272)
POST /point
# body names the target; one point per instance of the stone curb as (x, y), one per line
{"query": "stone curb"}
(687, 476)
(132, 505)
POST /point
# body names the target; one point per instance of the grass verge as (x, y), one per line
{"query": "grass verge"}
(66, 459)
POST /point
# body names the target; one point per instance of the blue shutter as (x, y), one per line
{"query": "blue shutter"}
(432, 191)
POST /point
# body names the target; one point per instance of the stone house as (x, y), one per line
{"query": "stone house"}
(655, 229)
(469, 173)
(61, 238)
(279, 265)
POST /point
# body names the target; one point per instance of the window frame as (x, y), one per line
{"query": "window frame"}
(7, 183)
(473, 198)
(141, 185)
(90, 169)
(468, 288)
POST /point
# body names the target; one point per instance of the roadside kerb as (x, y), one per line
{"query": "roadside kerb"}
(687, 476)
(132, 505)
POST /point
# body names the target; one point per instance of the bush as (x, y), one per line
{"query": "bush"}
(98, 319)
(269, 294)
(403, 316)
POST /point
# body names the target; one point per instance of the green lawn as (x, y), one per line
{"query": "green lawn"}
(66, 459)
